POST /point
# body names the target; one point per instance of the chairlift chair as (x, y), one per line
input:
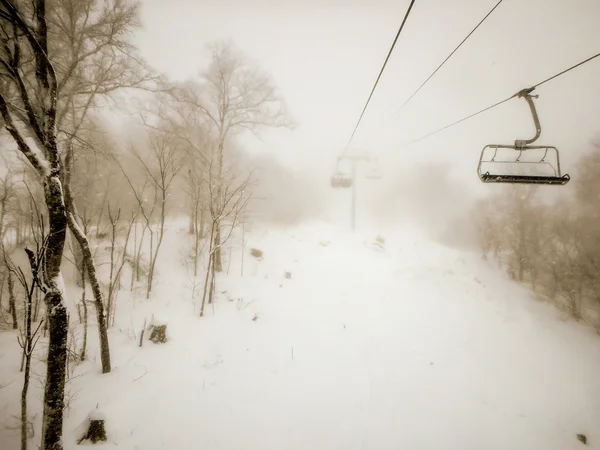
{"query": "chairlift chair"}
(340, 179)
(522, 163)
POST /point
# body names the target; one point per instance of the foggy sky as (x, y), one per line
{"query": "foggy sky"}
(325, 57)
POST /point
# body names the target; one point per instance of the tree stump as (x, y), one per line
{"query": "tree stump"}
(158, 334)
(95, 433)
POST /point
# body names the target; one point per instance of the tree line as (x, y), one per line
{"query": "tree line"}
(551, 244)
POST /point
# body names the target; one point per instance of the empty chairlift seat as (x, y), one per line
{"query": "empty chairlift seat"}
(521, 165)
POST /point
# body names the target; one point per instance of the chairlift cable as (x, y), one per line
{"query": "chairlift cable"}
(459, 121)
(448, 57)
(380, 73)
(502, 101)
(566, 70)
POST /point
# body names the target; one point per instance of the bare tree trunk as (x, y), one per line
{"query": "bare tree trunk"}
(218, 266)
(134, 257)
(139, 255)
(85, 317)
(202, 222)
(12, 304)
(55, 374)
(218, 263)
(28, 340)
(58, 322)
(96, 291)
(113, 238)
(161, 234)
(243, 246)
(78, 257)
(37, 304)
(100, 313)
(197, 237)
(90, 266)
(212, 283)
(117, 262)
(24, 404)
(99, 221)
(150, 266)
(19, 234)
(209, 268)
(193, 215)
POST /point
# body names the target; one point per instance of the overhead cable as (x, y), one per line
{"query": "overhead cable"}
(380, 73)
(448, 57)
(502, 101)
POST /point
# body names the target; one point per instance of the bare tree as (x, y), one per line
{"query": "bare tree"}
(7, 193)
(29, 336)
(166, 160)
(94, 59)
(146, 209)
(24, 50)
(118, 257)
(197, 195)
(234, 96)
(89, 264)
(197, 207)
(229, 196)
(488, 224)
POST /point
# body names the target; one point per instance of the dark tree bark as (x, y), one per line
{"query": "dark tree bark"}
(38, 101)
(12, 304)
(58, 322)
(89, 266)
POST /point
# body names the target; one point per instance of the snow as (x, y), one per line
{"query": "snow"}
(413, 345)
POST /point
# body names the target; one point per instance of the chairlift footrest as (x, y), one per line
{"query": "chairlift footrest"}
(525, 179)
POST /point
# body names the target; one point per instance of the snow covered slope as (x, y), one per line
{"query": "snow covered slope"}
(410, 346)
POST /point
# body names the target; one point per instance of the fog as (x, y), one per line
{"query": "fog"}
(325, 77)
(216, 217)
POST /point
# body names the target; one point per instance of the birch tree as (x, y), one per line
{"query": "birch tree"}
(29, 110)
(234, 95)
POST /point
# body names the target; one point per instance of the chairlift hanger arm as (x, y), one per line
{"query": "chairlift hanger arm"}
(526, 94)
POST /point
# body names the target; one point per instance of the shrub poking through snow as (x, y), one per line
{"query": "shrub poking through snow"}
(258, 254)
(378, 243)
(582, 438)
(288, 275)
(95, 431)
(158, 333)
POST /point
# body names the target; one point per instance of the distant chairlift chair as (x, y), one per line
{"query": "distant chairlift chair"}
(341, 179)
(503, 157)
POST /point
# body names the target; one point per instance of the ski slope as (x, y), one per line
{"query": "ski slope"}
(413, 346)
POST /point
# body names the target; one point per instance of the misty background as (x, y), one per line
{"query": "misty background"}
(324, 58)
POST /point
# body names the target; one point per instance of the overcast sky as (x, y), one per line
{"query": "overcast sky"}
(325, 55)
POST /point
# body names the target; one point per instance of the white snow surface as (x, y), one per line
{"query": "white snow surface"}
(413, 346)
